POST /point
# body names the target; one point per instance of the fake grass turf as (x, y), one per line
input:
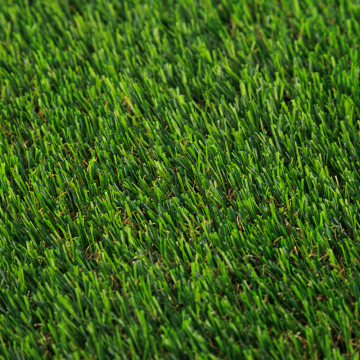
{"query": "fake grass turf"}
(179, 179)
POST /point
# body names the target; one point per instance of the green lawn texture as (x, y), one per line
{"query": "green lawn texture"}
(179, 179)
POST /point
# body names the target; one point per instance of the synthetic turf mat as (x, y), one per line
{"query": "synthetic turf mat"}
(179, 179)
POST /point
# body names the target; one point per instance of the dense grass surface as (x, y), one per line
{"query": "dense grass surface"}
(179, 179)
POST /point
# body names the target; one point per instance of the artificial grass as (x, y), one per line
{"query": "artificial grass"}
(179, 179)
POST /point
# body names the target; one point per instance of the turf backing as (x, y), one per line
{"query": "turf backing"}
(179, 179)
